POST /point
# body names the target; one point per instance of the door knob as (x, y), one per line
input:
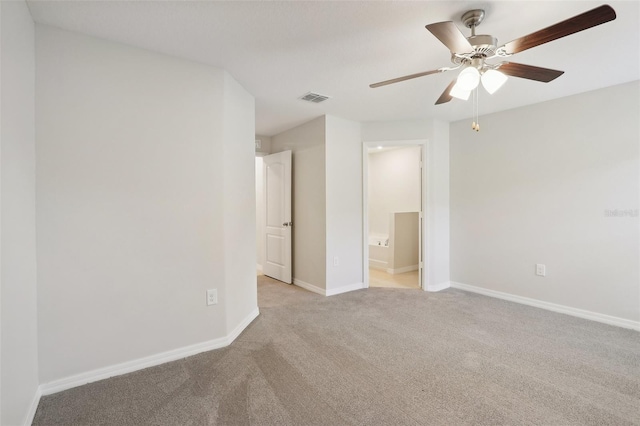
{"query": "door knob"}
(287, 224)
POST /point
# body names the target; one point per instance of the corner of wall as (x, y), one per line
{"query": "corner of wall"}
(18, 282)
(438, 184)
(344, 215)
(240, 291)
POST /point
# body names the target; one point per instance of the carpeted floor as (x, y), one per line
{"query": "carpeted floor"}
(381, 357)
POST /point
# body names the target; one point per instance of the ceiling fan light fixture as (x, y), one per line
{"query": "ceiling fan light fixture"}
(492, 80)
(460, 93)
(468, 79)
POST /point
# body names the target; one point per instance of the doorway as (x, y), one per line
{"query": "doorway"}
(393, 193)
(273, 215)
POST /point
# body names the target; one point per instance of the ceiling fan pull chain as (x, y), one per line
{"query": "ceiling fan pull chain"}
(473, 109)
(477, 109)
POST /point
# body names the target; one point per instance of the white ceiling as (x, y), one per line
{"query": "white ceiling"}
(280, 50)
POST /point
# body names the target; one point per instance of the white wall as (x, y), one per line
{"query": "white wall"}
(259, 212)
(397, 130)
(136, 206)
(265, 145)
(394, 185)
(344, 204)
(438, 224)
(19, 352)
(265, 149)
(437, 182)
(307, 143)
(404, 242)
(533, 186)
(239, 205)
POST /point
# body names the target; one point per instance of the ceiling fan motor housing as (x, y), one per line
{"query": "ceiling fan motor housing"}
(483, 45)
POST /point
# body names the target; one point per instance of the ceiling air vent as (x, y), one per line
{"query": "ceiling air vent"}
(314, 97)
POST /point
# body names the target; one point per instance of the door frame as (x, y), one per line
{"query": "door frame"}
(424, 232)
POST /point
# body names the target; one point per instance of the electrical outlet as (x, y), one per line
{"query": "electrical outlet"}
(212, 297)
(336, 261)
(541, 270)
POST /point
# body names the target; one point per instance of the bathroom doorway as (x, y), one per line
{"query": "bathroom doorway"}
(393, 193)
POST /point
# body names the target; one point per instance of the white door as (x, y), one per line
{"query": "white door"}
(277, 203)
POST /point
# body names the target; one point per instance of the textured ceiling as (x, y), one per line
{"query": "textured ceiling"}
(280, 50)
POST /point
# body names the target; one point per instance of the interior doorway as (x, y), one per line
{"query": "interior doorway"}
(393, 178)
(273, 216)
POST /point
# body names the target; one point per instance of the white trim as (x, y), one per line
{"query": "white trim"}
(330, 292)
(425, 231)
(310, 287)
(31, 414)
(366, 262)
(141, 363)
(259, 267)
(568, 310)
(243, 324)
(402, 270)
(440, 286)
(345, 289)
(378, 264)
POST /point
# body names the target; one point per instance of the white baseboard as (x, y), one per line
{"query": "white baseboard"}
(344, 289)
(440, 286)
(309, 287)
(378, 264)
(31, 414)
(402, 270)
(258, 267)
(141, 363)
(243, 324)
(568, 310)
(330, 292)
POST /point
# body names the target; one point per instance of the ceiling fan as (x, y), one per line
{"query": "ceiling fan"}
(472, 53)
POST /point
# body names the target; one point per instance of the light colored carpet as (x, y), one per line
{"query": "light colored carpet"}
(381, 357)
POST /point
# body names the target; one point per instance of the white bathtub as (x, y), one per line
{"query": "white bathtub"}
(378, 251)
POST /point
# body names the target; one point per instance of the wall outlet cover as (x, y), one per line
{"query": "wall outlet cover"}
(541, 270)
(212, 297)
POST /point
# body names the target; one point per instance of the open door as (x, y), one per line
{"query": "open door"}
(277, 210)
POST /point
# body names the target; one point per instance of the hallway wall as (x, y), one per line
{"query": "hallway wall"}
(140, 208)
(18, 290)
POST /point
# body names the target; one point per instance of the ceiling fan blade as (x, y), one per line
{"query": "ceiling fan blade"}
(406, 77)
(446, 95)
(449, 34)
(529, 72)
(586, 20)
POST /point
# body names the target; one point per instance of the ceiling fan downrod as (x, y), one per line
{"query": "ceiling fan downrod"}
(472, 19)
